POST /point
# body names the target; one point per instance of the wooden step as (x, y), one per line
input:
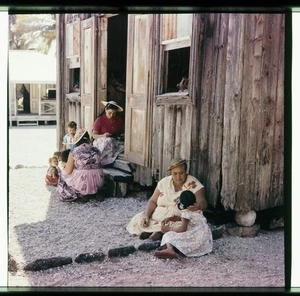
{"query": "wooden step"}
(123, 165)
(117, 181)
(117, 175)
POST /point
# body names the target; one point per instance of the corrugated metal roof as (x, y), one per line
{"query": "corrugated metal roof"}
(28, 66)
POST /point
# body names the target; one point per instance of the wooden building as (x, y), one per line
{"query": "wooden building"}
(228, 121)
(32, 87)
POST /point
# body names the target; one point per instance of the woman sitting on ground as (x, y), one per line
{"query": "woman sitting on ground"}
(108, 133)
(83, 174)
(162, 203)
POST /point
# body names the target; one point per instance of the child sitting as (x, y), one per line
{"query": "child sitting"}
(52, 172)
(192, 238)
(68, 138)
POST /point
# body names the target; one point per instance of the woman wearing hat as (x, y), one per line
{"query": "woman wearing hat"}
(162, 204)
(83, 174)
(108, 132)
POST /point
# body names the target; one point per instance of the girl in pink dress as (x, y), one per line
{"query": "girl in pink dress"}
(83, 174)
(108, 133)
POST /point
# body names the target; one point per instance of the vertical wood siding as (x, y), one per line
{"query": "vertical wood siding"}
(233, 135)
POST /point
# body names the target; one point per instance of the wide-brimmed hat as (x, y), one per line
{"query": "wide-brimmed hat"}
(119, 108)
(81, 133)
(175, 162)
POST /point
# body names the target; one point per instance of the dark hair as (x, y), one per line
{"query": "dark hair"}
(107, 107)
(186, 199)
(57, 154)
(72, 124)
(65, 155)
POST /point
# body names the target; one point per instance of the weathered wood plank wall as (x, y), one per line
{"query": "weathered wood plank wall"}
(236, 144)
(233, 133)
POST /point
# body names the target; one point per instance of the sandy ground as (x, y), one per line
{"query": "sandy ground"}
(40, 226)
(31, 146)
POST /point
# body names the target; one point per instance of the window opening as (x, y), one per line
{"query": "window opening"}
(74, 80)
(176, 70)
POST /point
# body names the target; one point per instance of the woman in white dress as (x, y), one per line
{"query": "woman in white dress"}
(162, 203)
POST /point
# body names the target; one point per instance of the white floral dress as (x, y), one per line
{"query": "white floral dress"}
(166, 205)
(196, 240)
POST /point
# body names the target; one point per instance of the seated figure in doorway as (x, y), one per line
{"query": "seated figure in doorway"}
(108, 133)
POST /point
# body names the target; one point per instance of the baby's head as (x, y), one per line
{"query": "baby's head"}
(53, 161)
(187, 198)
(58, 155)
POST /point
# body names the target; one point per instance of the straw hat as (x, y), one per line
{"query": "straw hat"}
(120, 109)
(81, 133)
(175, 162)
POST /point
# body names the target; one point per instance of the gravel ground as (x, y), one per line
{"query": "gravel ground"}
(41, 226)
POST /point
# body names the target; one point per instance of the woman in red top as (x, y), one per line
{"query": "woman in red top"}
(108, 133)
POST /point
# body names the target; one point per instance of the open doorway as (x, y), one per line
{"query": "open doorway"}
(116, 60)
(23, 98)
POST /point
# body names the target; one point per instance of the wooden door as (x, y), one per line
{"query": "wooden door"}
(139, 89)
(35, 97)
(102, 66)
(88, 72)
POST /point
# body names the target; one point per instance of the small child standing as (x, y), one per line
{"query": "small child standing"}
(193, 238)
(52, 174)
(68, 138)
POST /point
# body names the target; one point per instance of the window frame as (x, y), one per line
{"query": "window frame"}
(177, 98)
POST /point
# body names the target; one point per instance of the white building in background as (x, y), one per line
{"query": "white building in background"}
(32, 92)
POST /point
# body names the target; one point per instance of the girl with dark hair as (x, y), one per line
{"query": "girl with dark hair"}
(192, 238)
(108, 133)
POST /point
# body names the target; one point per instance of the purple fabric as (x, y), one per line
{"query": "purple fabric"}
(87, 177)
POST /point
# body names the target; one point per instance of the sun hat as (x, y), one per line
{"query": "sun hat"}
(81, 133)
(120, 109)
(175, 162)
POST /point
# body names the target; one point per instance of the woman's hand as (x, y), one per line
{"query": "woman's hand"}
(145, 221)
(165, 228)
(171, 219)
(166, 221)
(106, 134)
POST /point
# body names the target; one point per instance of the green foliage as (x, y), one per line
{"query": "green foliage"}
(32, 31)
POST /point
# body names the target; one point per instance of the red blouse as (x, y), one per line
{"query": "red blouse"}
(103, 125)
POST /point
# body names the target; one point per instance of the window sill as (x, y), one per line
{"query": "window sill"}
(174, 98)
(73, 97)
